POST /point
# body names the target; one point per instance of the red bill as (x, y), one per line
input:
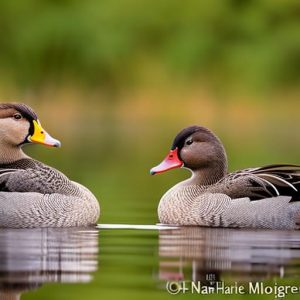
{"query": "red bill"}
(172, 161)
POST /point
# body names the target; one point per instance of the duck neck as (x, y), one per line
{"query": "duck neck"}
(10, 153)
(209, 175)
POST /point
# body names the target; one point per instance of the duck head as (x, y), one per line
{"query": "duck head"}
(195, 148)
(20, 125)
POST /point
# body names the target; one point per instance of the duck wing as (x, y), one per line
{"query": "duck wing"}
(264, 182)
(4, 175)
(44, 180)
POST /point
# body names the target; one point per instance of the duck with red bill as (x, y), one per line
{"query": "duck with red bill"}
(172, 161)
(260, 197)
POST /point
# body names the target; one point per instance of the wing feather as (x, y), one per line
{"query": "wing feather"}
(270, 181)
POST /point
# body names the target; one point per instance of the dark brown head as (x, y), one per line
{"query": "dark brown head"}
(195, 148)
(19, 125)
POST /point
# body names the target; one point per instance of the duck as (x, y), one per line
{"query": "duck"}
(33, 194)
(263, 197)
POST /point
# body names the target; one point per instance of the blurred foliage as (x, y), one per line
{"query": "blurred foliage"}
(112, 44)
(116, 80)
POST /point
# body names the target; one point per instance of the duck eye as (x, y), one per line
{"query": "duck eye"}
(189, 142)
(17, 116)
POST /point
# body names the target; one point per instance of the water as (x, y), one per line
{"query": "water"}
(137, 263)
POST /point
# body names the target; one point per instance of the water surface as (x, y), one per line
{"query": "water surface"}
(138, 263)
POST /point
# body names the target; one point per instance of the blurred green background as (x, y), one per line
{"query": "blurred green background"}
(116, 80)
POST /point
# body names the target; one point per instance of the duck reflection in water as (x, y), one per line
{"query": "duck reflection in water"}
(209, 254)
(31, 257)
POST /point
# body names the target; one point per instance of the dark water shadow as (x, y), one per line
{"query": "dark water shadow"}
(31, 257)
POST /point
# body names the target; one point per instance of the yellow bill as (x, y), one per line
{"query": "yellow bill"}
(40, 136)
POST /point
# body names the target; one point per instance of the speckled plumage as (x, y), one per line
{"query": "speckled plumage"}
(33, 194)
(266, 197)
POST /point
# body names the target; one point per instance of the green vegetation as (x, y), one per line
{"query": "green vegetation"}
(107, 43)
(116, 80)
